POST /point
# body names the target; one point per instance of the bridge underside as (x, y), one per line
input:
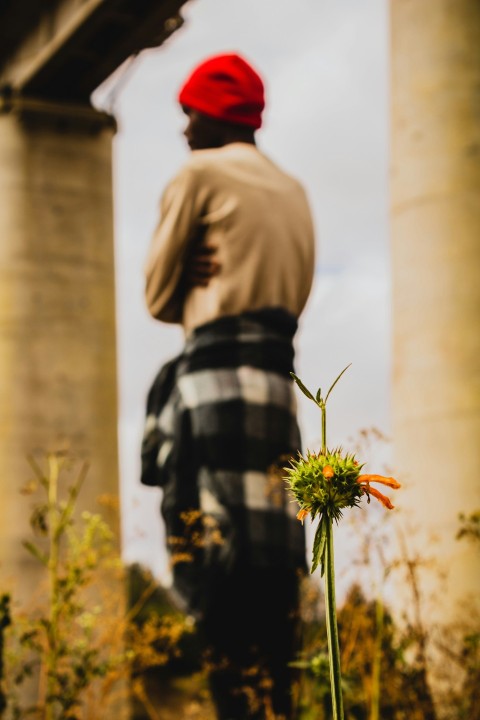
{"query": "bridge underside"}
(64, 49)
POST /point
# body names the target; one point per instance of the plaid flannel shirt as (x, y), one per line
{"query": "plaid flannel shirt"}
(221, 424)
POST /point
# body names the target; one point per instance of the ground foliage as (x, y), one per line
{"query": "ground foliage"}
(83, 649)
(404, 691)
(77, 646)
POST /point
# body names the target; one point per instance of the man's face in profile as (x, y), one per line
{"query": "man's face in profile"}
(203, 132)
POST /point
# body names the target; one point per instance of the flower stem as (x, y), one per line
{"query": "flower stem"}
(377, 659)
(332, 629)
(53, 561)
(324, 428)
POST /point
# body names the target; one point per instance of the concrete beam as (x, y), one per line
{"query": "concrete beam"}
(436, 290)
(58, 383)
(57, 317)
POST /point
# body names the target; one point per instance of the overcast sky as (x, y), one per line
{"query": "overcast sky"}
(325, 65)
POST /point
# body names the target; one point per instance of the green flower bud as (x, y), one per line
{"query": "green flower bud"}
(324, 483)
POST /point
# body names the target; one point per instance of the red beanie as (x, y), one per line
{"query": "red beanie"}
(227, 88)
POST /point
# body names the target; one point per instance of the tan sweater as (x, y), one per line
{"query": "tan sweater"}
(257, 216)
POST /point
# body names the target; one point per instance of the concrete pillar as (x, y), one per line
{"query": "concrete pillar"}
(58, 386)
(436, 286)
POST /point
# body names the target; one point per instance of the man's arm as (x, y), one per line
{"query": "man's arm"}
(179, 219)
(200, 262)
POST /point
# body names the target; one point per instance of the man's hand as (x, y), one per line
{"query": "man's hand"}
(200, 265)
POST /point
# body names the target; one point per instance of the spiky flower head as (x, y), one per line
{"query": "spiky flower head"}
(324, 483)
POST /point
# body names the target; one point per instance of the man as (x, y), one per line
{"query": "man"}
(232, 261)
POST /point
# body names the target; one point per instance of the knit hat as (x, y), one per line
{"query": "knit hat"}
(227, 88)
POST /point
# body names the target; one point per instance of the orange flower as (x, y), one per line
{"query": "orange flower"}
(301, 515)
(327, 472)
(391, 482)
(365, 481)
(386, 502)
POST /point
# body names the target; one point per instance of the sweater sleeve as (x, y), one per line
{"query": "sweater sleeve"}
(179, 217)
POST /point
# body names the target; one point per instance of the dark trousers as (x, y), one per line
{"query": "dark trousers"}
(250, 629)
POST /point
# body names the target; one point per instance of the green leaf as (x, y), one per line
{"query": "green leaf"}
(34, 550)
(73, 492)
(319, 545)
(37, 470)
(319, 396)
(302, 387)
(300, 664)
(336, 380)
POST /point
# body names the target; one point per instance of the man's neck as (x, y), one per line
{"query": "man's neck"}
(246, 136)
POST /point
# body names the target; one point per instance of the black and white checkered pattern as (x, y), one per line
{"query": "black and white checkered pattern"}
(220, 418)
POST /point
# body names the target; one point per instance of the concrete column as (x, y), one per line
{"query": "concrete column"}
(58, 387)
(436, 286)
